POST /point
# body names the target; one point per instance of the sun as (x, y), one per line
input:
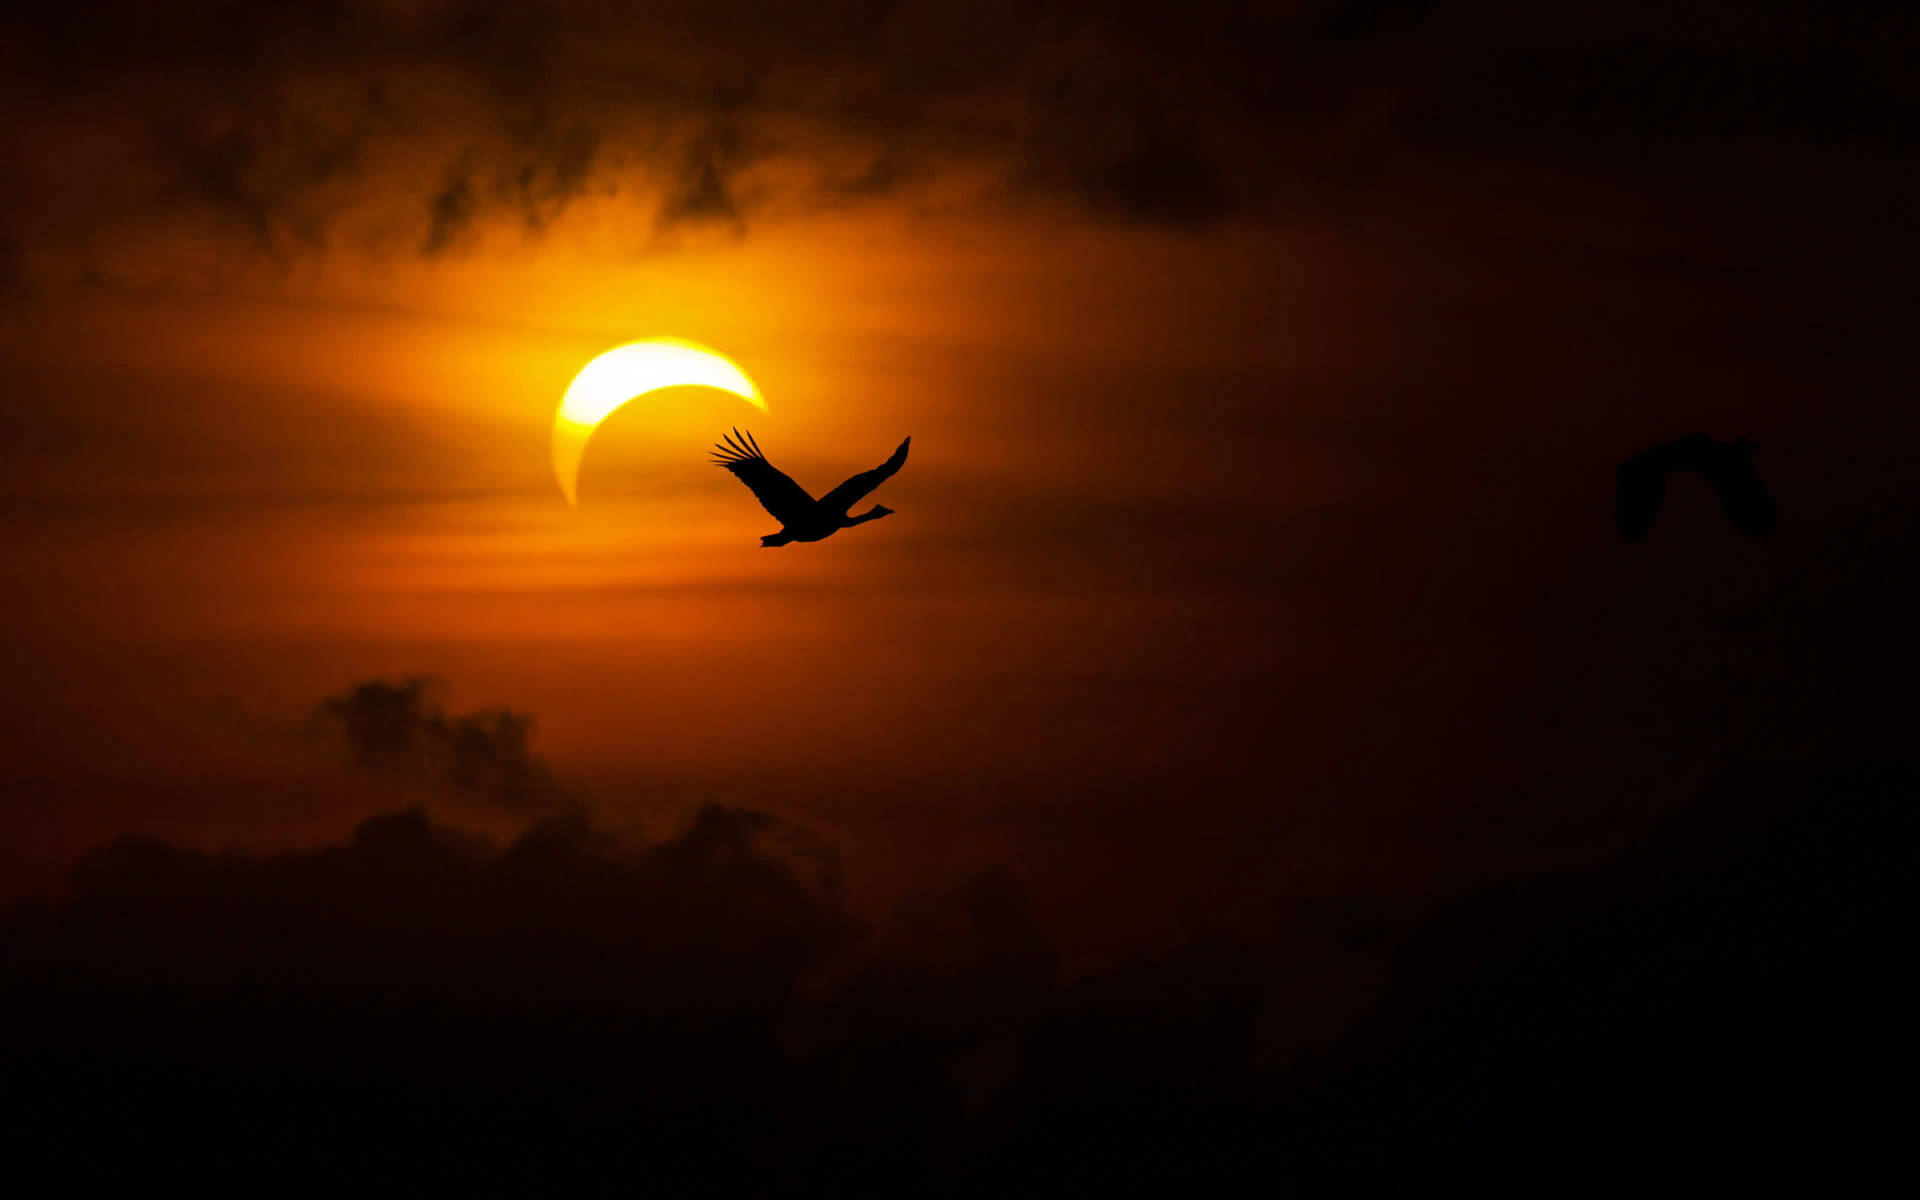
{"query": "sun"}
(624, 373)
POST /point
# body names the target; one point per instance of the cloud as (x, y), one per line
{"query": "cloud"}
(699, 923)
(420, 1003)
(1114, 132)
(572, 984)
(404, 125)
(394, 727)
(704, 187)
(449, 212)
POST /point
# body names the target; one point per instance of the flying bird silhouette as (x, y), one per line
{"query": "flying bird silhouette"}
(801, 517)
(1728, 466)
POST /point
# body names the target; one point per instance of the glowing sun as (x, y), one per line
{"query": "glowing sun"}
(626, 372)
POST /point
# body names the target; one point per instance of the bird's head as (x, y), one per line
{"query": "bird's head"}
(775, 539)
(879, 510)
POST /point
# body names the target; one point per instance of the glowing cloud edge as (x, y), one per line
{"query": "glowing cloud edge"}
(607, 383)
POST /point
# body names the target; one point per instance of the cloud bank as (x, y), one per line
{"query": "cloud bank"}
(575, 1008)
(401, 127)
(394, 727)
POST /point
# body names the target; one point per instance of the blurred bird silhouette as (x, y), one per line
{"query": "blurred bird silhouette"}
(1728, 466)
(801, 517)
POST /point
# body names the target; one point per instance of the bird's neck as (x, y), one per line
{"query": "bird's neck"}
(872, 514)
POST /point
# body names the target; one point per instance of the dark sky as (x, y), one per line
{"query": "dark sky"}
(1267, 367)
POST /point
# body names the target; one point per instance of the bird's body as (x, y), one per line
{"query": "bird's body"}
(801, 517)
(1728, 466)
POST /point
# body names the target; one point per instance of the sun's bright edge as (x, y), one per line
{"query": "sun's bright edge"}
(626, 372)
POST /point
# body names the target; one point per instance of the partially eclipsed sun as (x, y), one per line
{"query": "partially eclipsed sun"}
(620, 375)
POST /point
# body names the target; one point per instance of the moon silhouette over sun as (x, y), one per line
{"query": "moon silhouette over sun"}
(624, 373)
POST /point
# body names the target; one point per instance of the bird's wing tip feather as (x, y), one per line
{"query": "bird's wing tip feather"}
(739, 445)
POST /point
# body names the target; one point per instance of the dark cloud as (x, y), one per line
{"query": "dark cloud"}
(278, 121)
(635, 995)
(449, 212)
(711, 920)
(1629, 98)
(550, 174)
(947, 968)
(1115, 133)
(1348, 21)
(418, 1003)
(704, 188)
(264, 172)
(396, 727)
(534, 180)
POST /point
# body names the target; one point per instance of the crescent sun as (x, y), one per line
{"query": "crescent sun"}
(624, 373)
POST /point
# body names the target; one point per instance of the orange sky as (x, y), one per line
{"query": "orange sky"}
(1164, 533)
(1259, 470)
(331, 478)
(1260, 701)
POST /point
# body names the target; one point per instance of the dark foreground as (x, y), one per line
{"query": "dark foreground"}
(416, 1009)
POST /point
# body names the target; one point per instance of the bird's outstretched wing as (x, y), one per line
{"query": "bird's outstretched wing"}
(844, 497)
(1642, 484)
(786, 500)
(1746, 500)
